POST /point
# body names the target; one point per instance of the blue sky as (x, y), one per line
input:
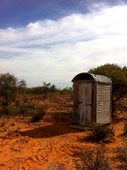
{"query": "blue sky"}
(53, 40)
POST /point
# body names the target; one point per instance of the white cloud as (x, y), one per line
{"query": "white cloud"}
(55, 51)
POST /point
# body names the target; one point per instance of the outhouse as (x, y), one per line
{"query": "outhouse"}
(92, 99)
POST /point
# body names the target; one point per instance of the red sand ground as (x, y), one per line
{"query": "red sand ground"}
(47, 145)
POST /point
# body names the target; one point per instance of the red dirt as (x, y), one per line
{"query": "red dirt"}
(47, 145)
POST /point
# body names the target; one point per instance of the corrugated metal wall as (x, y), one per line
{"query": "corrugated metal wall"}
(103, 108)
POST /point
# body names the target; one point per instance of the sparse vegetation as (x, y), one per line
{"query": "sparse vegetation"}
(38, 115)
(24, 107)
(31, 106)
(101, 132)
(96, 159)
(58, 139)
(9, 87)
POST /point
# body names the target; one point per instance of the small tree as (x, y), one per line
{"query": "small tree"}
(8, 90)
(125, 70)
(53, 89)
(22, 86)
(45, 89)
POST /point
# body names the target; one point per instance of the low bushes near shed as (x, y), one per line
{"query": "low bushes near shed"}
(100, 133)
(37, 116)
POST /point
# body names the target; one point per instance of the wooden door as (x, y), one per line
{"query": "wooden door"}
(85, 104)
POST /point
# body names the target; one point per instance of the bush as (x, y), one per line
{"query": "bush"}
(38, 115)
(31, 106)
(96, 159)
(9, 87)
(9, 111)
(101, 132)
(23, 108)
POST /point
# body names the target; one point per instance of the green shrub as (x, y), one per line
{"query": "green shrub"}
(38, 115)
(96, 159)
(31, 106)
(9, 111)
(23, 109)
(101, 132)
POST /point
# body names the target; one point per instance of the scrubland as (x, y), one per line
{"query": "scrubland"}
(37, 135)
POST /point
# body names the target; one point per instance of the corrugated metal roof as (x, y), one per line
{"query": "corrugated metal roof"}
(102, 79)
(89, 76)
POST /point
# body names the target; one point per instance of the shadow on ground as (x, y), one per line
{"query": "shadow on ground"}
(49, 131)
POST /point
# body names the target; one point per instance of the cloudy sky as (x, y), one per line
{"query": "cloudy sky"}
(53, 40)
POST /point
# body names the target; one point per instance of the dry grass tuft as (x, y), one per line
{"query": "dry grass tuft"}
(96, 159)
